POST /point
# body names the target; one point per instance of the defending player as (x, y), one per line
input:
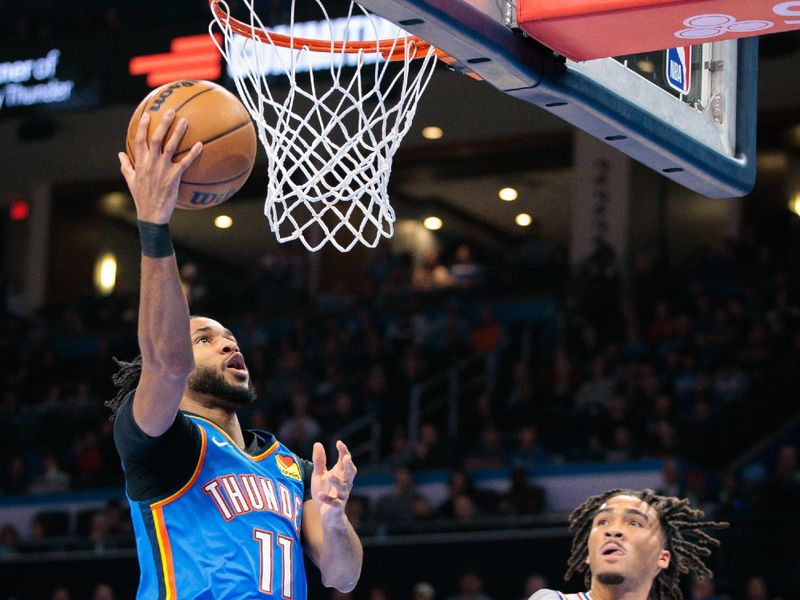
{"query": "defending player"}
(218, 512)
(634, 546)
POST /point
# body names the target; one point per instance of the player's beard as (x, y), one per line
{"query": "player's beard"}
(611, 578)
(210, 382)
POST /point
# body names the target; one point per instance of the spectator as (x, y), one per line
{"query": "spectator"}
(53, 479)
(523, 498)
(397, 505)
(423, 591)
(470, 586)
(300, 430)
(533, 583)
(528, 453)
(9, 540)
(488, 453)
(756, 589)
(60, 593)
(465, 271)
(103, 591)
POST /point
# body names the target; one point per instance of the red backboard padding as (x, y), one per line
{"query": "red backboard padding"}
(588, 29)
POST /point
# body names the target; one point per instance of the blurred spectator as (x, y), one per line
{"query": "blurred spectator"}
(523, 498)
(783, 486)
(429, 452)
(488, 453)
(527, 453)
(533, 583)
(593, 394)
(470, 586)
(53, 479)
(356, 511)
(703, 589)
(60, 593)
(465, 271)
(756, 589)
(300, 430)
(423, 591)
(464, 509)
(431, 274)
(398, 504)
(103, 591)
(671, 484)
(9, 540)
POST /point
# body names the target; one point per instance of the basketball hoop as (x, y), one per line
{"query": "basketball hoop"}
(329, 143)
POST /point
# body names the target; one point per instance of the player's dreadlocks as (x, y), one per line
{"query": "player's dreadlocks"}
(683, 532)
(126, 379)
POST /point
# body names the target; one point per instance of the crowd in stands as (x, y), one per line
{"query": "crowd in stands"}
(692, 364)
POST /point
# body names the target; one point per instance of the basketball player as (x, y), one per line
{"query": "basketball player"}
(634, 546)
(218, 512)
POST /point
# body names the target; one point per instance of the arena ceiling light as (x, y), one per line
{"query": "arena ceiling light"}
(433, 223)
(223, 222)
(523, 219)
(508, 194)
(432, 132)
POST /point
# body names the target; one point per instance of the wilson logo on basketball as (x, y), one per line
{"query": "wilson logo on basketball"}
(288, 467)
(191, 57)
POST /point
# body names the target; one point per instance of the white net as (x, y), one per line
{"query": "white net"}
(330, 137)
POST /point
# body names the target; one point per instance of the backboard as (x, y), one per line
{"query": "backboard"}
(689, 114)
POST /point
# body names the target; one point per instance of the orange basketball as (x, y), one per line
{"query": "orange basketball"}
(218, 119)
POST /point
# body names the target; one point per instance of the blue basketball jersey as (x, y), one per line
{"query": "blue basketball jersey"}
(232, 531)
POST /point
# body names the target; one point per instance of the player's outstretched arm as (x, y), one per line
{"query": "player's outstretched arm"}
(330, 540)
(164, 338)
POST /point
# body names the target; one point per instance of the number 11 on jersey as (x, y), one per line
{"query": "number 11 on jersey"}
(267, 556)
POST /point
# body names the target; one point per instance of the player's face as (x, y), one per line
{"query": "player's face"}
(626, 545)
(216, 351)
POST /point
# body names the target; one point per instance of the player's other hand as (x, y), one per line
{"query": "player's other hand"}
(155, 179)
(330, 489)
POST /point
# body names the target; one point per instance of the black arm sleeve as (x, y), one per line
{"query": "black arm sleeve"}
(308, 468)
(155, 467)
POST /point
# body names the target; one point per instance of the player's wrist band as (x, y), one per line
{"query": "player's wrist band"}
(155, 239)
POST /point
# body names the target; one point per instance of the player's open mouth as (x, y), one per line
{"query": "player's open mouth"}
(612, 550)
(236, 364)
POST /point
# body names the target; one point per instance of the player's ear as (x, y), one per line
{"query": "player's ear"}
(663, 559)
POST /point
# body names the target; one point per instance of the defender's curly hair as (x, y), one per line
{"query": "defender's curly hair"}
(126, 379)
(684, 535)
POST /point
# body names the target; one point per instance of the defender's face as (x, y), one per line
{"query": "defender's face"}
(215, 348)
(626, 544)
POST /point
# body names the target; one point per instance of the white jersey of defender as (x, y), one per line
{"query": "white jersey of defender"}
(555, 595)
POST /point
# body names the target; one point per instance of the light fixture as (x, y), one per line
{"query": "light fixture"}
(432, 223)
(223, 222)
(432, 132)
(508, 194)
(794, 204)
(523, 219)
(105, 274)
(646, 66)
(114, 203)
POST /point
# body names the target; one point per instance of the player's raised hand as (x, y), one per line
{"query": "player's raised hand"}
(330, 489)
(155, 179)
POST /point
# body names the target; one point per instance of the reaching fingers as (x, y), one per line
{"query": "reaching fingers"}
(126, 167)
(160, 133)
(175, 139)
(318, 455)
(349, 469)
(140, 143)
(330, 500)
(190, 157)
(342, 487)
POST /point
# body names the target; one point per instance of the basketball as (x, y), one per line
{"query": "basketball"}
(218, 119)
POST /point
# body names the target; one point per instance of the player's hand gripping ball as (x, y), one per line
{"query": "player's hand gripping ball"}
(218, 119)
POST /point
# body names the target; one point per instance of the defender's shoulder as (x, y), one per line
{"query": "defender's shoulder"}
(547, 595)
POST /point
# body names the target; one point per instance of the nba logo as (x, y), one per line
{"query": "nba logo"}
(679, 62)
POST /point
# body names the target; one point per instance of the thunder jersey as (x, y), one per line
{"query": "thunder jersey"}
(232, 531)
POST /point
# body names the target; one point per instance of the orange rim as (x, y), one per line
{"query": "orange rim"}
(390, 49)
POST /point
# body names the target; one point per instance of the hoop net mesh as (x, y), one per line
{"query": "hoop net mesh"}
(331, 137)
